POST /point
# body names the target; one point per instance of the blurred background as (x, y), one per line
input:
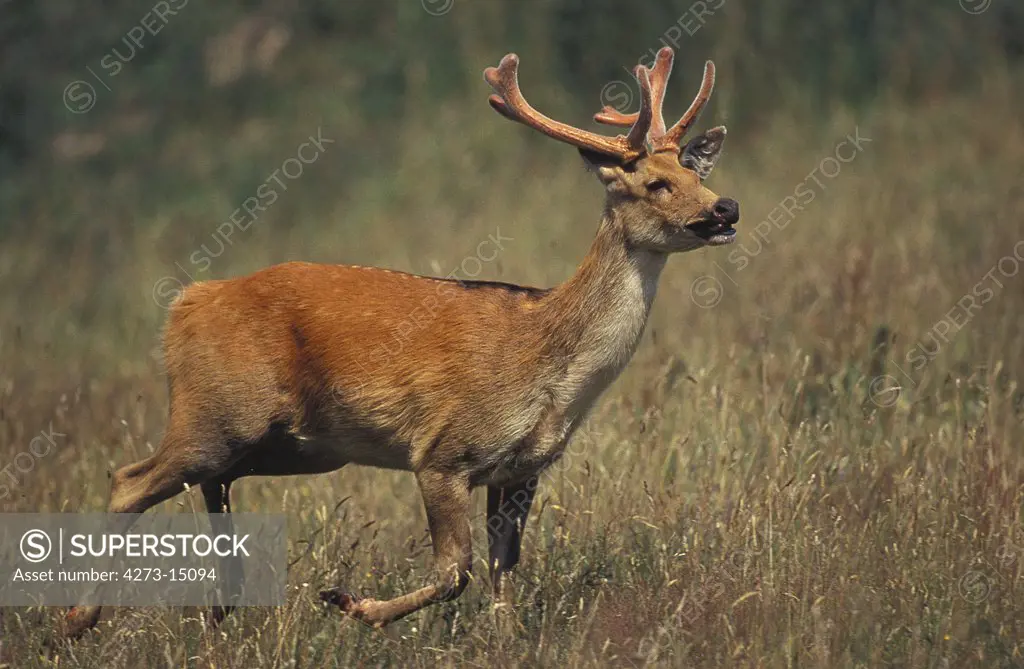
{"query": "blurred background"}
(123, 150)
(825, 376)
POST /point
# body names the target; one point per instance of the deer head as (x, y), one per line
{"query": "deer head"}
(654, 184)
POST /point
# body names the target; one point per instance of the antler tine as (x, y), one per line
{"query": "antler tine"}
(675, 134)
(611, 116)
(648, 111)
(510, 103)
(659, 83)
(662, 140)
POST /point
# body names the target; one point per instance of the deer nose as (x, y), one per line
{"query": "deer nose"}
(726, 210)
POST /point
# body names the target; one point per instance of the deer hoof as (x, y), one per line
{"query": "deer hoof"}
(345, 601)
(366, 611)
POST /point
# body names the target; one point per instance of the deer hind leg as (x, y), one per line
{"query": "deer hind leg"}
(216, 493)
(446, 498)
(507, 509)
(141, 486)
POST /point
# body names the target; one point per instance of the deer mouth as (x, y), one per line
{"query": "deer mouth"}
(714, 233)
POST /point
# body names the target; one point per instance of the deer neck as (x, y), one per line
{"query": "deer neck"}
(594, 321)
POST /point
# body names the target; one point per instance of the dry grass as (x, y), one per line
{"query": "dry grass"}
(737, 499)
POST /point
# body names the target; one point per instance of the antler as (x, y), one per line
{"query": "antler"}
(660, 139)
(510, 103)
(659, 77)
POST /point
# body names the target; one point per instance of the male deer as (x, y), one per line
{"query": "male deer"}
(268, 373)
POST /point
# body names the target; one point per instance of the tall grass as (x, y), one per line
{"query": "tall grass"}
(772, 482)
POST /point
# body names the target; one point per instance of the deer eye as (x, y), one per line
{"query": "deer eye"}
(659, 185)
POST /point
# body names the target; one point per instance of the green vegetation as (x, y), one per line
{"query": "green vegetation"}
(812, 461)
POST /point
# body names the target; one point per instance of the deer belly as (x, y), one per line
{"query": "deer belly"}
(327, 453)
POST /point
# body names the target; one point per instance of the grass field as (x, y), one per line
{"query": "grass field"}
(814, 459)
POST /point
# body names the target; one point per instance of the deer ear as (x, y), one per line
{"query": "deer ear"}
(607, 168)
(701, 153)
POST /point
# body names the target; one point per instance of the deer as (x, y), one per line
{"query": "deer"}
(274, 373)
